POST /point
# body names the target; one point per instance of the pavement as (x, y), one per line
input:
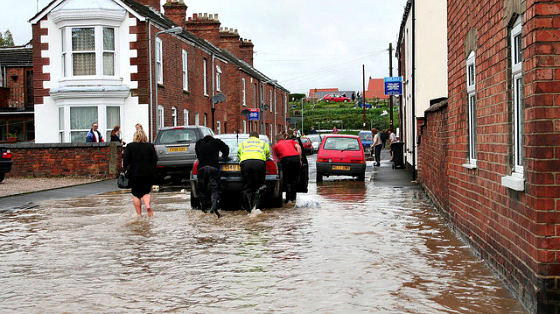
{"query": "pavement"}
(383, 176)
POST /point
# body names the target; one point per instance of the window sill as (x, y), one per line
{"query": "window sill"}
(469, 166)
(514, 182)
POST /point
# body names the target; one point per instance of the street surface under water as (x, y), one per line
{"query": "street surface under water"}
(367, 249)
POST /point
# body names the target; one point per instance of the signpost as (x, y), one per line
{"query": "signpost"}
(254, 114)
(393, 85)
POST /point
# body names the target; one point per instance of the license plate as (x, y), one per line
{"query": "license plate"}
(177, 149)
(231, 168)
(340, 167)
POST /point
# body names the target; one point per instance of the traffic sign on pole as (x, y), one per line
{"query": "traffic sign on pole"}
(393, 85)
(254, 114)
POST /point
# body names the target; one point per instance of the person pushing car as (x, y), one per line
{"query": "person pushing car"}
(253, 154)
(207, 151)
(289, 153)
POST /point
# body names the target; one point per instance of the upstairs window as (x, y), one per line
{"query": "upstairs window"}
(185, 70)
(517, 97)
(205, 76)
(159, 61)
(174, 115)
(83, 56)
(243, 92)
(218, 77)
(471, 102)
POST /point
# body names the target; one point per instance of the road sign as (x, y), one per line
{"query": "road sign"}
(253, 114)
(393, 85)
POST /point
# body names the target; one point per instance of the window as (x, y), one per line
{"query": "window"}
(270, 97)
(219, 127)
(218, 75)
(113, 119)
(185, 70)
(160, 120)
(61, 124)
(517, 93)
(81, 119)
(205, 119)
(87, 58)
(471, 100)
(243, 92)
(159, 61)
(204, 77)
(197, 119)
(185, 117)
(244, 126)
(174, 115)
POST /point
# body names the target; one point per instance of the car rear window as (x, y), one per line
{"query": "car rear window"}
(176, 136)
(365, 136)
(341, 143)
(233, 144)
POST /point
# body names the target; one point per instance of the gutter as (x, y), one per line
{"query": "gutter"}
(414, 90)
(150, 78)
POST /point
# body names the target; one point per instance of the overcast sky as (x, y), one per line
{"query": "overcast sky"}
(303, 44)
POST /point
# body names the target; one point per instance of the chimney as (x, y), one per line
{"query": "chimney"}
(176, 10)
(155, 4)
(229, 40)
(206, 26)
(246, 50)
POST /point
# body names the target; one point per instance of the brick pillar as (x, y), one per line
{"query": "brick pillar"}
(246, 51)
(176, 10)
(205, 26)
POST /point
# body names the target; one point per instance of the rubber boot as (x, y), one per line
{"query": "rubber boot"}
(260, 192)
(248, 202)
(214, 208)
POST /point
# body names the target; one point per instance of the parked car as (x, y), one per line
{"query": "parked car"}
(175, 149)
(5, 162)
(367, 138)
(315, 141)
(336, 98)
(232, 182)
(307, 145)
(341, 154)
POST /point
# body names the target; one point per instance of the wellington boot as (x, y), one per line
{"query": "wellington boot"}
(247, 203)
(214, 208)
(260, 192)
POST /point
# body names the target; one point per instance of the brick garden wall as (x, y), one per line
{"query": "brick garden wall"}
(92, 160)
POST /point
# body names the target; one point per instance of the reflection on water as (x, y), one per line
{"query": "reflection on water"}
(366, 250)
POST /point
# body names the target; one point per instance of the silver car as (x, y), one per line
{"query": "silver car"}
(175, 150)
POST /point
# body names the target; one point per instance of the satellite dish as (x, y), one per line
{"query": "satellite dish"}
(218, 98)
(245, 112)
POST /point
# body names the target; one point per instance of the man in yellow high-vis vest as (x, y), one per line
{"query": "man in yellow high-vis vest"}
(253, 154)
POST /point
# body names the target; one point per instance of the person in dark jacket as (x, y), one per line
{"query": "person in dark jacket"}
(207, 152)
(289, 153)
(94, 135)
(140, 159)
(115, 135)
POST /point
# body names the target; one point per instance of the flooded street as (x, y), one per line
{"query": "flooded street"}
(367, 249)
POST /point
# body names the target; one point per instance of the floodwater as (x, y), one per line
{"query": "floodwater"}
(365, 250)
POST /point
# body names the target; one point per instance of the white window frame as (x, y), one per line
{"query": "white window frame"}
(197, 119)
(185, 58)
(185, 117)
(174, 115)
(160, 117)
(471, 103)
(517, 88)
(244, 126)
(218, 127)
(67, 51)
(218, 78)
(205, 76)
(271, 103)
(159, 60)
(244, 92)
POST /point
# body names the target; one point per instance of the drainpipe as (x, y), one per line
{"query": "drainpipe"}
(414, 90)
(150, 77)
(213, 109)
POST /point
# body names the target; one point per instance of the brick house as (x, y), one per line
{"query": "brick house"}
(16, 92)
(376, 89)
(489, 156)
(107, 60)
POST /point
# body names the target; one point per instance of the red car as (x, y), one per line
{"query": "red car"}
(307, 145)
(341, 154)
(336, 98)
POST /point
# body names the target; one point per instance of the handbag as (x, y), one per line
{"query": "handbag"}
(122, 181)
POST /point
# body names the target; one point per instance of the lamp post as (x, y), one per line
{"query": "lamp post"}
(174, 30)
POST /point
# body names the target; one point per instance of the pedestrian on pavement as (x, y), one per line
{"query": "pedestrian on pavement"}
(392, 139)
(253, 154)
(313, 131)
(209, 185)
(335, 130)
(115, 135)
(384, 135)
(289, 153)
(140, 160)
(94, 136)
(377, 145)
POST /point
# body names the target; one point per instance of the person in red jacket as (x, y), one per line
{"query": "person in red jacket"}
(289, 153)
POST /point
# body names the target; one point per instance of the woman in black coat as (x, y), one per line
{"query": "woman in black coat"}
(140, 159)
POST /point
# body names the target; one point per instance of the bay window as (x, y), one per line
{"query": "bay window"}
(88, 51)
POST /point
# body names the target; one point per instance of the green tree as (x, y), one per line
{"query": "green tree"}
(6, 39)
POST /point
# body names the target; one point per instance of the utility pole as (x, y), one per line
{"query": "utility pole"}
(364, 92)
(391, 96)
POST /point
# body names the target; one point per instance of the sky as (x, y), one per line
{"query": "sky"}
(304, 44)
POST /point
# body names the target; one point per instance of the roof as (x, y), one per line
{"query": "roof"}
(376, 88)
(18, 56)
(314, 91)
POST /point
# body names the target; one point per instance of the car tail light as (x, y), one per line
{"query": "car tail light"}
(271, 167)
(323, 160)
(7, 154)
(357, 161)
(195, 168)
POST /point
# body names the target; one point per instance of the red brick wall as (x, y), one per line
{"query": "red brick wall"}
(517, 233)
(432, 156)
(38, 62)
(96, 160)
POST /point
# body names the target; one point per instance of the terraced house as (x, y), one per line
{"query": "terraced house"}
(122, 62)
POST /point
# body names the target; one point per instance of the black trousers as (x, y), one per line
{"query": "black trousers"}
(291, 170)
(253, 173)
(208, 185)
(377, 150)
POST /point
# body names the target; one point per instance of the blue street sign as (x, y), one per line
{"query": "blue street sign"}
(253, 114)
(393, 85)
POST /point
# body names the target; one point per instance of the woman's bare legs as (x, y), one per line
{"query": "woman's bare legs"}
(146, 199)
(137, 205)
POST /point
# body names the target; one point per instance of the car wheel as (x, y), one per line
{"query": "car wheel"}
(319, 177)
(362, 177)
(326, 100)
(2, 175)
(345, 100)
(195, 203)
